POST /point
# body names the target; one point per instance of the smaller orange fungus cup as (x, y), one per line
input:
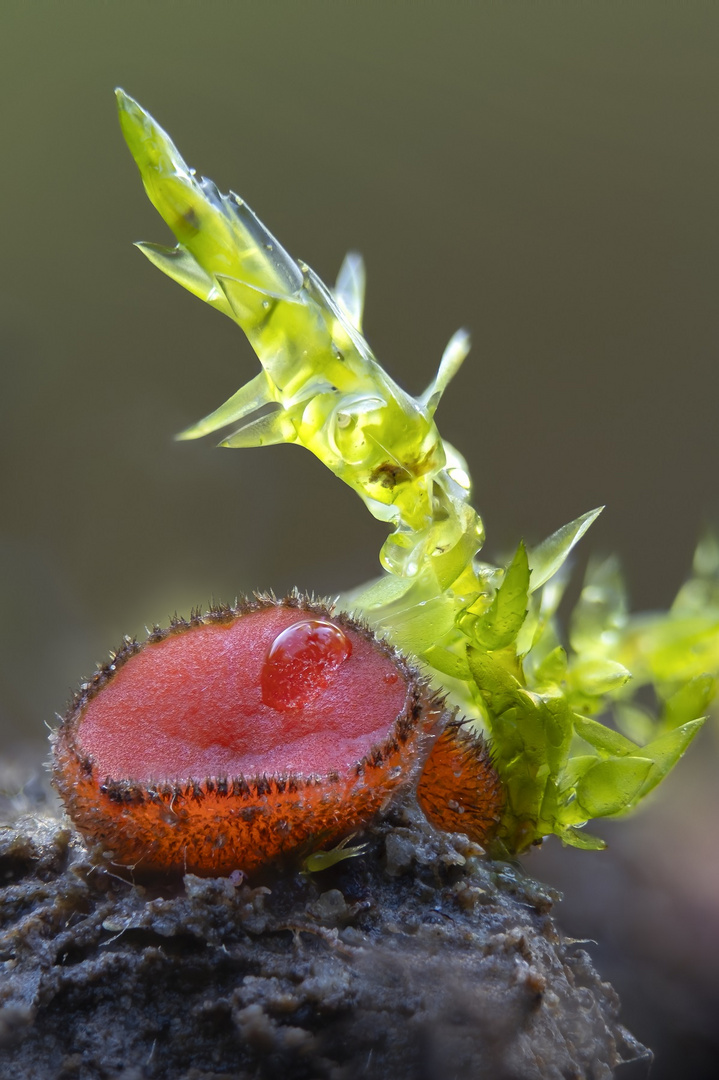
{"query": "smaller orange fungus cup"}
(263, 730)
(459, 789)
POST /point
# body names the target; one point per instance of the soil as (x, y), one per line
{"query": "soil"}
(420, 959)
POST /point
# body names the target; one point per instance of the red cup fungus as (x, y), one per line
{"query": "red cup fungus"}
(248, 734)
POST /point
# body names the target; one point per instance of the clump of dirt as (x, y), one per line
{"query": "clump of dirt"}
(419, 960)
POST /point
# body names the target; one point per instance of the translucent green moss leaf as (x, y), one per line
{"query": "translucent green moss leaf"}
(380, 594)
(350, 288)
(249, 398)
(574, 770)
(601, 612)
(689, 702)
(501, 623)
(603, 738)
(664, 753)
(418, 628)
(671, 649)
(551, 672)
(267, 430)
(597, 676)
(323, 860)
(452, 359)
(498, 687)
(550, 595)
(538, 624)
(611, 785)
(448, 565)
(546, 559)
(448, 662)
(573, 838)
(635, 722)
(179, 265)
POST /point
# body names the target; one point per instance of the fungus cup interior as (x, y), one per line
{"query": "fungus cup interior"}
(195, 704)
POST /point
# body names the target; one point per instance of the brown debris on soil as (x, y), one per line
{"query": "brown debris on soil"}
(419, 960)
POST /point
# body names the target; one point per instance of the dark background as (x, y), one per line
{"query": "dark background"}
(544, 173)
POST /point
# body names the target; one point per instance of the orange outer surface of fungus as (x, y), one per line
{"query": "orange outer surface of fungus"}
(459, 789)
(169, 758)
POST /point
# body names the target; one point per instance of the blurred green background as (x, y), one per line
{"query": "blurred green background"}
(543, 173)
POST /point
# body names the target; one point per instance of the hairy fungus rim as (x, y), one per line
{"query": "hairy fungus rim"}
(421, 699)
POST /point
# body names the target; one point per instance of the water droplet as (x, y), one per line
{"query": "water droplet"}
(460, 476)
(300, 663)
(391, 678)
(266, 305)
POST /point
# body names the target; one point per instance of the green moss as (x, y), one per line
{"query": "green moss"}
(489, 634)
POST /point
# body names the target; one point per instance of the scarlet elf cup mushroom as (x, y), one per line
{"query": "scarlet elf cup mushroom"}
(249, 734)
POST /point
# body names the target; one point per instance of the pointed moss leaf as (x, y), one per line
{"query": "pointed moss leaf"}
(350, 288)
(498, 688)
(678, 649)
(636, 723)
(253, 395)
(574, 838)
(179, 265)
(545, 560)
(671, 649)
(447, 662)
(664, 753)
(552, 592)
(418, 628)
(219, 231)
(249, 303)
(603, 738)
(376, 594)
(575, 769)
(666, 750)
(501, 623)
(690, 701)
(457, 469)
(611, 785)
(267, 430)
(596, 677)
(323, 860)
(538, 624)
(601, 611)
(552, 669)
(559, 730)
(450, 564)
(532, 626)
(452, 359)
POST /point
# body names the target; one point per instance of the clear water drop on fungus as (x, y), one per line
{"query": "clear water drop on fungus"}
(301, 661)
